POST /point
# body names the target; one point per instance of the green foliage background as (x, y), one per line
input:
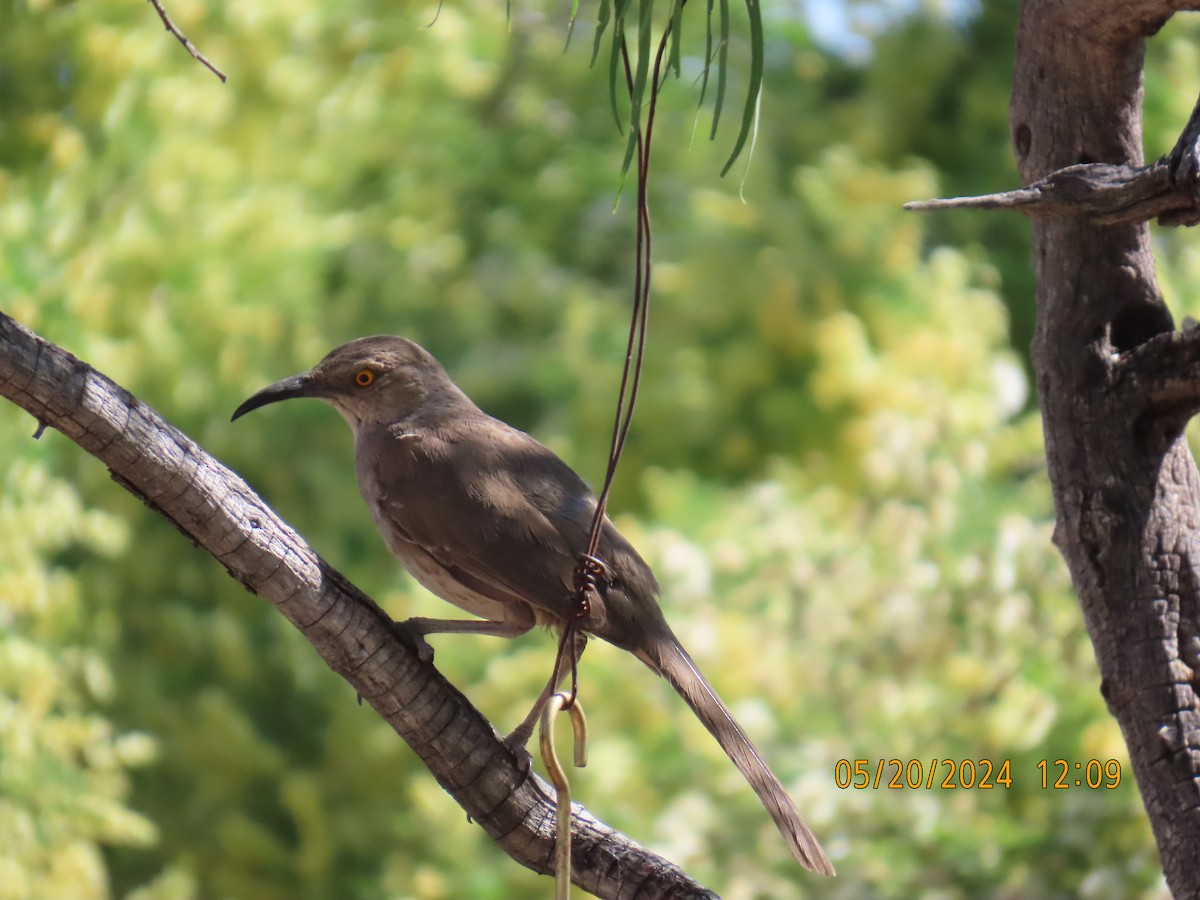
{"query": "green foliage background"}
(835, 469)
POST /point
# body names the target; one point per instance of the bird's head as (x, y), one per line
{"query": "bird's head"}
(372, 380)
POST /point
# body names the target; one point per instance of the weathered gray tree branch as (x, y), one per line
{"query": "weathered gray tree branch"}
(1161, 380)
(1108, 194)
(217, 510)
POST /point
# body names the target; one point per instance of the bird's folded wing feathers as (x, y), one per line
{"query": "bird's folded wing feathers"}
(478, 521)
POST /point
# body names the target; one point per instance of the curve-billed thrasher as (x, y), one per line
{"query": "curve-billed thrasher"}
(486, 517)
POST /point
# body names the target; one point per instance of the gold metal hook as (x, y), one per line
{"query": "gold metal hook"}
(562, 813)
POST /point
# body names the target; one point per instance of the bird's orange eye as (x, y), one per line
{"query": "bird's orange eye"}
(364, 378)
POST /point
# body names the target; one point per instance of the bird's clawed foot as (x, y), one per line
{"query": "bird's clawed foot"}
(518, 739)
(518, 745)
(410, 631)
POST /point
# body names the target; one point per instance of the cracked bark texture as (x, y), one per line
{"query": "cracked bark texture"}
(1116, 385)
(217, 511)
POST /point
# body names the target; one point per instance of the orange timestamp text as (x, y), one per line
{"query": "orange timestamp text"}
(971, 774)
(917, 774)
(1061, 774)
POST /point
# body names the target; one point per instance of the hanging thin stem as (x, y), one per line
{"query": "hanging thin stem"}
(635, 347)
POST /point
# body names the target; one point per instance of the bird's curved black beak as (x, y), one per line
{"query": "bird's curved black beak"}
(303, 385)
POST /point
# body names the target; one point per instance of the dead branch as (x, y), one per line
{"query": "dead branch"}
(187, 45)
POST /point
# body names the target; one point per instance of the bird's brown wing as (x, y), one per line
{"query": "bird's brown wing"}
(501, 514)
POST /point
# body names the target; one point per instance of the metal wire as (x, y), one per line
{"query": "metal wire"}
(562, 787)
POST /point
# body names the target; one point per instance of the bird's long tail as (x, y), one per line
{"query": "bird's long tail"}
(671, 661)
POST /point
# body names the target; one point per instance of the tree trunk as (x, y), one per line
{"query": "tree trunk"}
(1116, 386)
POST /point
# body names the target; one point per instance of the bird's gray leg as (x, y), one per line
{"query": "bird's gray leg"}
(418, 627)
(518, 738)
